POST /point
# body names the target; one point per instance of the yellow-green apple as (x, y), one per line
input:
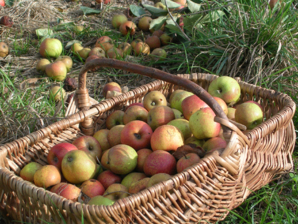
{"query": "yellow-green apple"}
(202, 124)
(160, 161)
(142, 156)
(144, 23)
(103, 39)
(102, 137)
(114, 135)
(78, 166)
(115, 118)
(138, 186)
(214, 144)
(56, 70)
(111, 86)
(106, 46)
(231, 113)
(160, 6)
(47, 176)
(186, 161)
(57, 152)
(158, 53)
(97, 51)
(178, 114)
(222, 104)
(125, 47)
(128, 27)
(84, 53)
(76, 47)
(4, 49)
(134, 43)
(28, 171)
(116, 191)
(194, 141)
(135, 112)
(191, 104)
(153, 99)
(68, 191)
(118, 19)
(100, 200)
(41, 64)
(249, 114)
(251, 101)
(107, 178)
(67, 61)
(166, 138)
(51, 47)
(57, 93)
(160, 115)
(114, 53)
(78, 29)
(141, 49)
(89, 144)
(104, 159)
(136, 134)
(157, 178)
(183, 126)
(177, 99)
(153, 42)
(226, 88)
(92, 188)
(122, 159)
(131, 178)
(174, 93)
(165, 39)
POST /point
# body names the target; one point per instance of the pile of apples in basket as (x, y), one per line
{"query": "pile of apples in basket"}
(145, 144)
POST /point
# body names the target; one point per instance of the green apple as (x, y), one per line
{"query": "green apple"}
(132, 178)
(100, 200)
(183, 126)
(28, 171)
(249, 114)
(51, 47)
(177, 99)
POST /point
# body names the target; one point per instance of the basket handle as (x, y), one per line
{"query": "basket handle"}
(83, 97)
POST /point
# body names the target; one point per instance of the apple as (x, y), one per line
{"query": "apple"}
(84, 53)
(58, 151)
(165, 39)
(157, 178)
(134, 104)
(225, 88)
(136, 134)
(194, 141)
(180, 2)
(131, 178)
(134, 43)
(102, 137)
(251, 101)
(57, 93)
(160, 115)
(111, 94)
(116, 191)
(138, 186)
(114, 135)
(141, 49)
(183, 126)
(99, 170)
(214, 144)
(127, 28)
(41, 64)
(68, 191)
(177, 99)
(2, 3)
(115, 118)
(103, 39)
(100, 200)
(144, 23)
(202, 124)
(88, 144)
(166, 138)
(114, 53)
(178, 114)
(97, 51)
(76, 47)
(160, 161)
(157, 33)
(6, 21)
(104, 159)
(158, 53)
(28, 171)
(231, 113)
(222, 104)
(142, 156)
(78, 29)
(106, 46)
(153, 99)
(56, 70)
(174, 93)
(47, 176)
(191, 104)
(135, 113)
(78, 166)
(186, 161)
(67, 61)
(126, 48)
(51, 47)
(92, 188)
(107, 178)
(153, 42)
(122, 159)
(111, 86)
(249, 114)
(118, 19)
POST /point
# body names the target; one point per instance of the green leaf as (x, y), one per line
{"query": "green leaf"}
(87, 10)
(137, 10)
(44, 32)
(193, 7)
(9, 2)
(64, 26)
(189, 22)
(156, 24)
(170, 4)
(170, 21)
(155, 11)
(213, 16)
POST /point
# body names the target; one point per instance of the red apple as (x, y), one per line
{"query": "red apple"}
(141, 49)
(89, 144)
(134, 104)
(127, 28)
(142, 156)
(187, 161)
(177, 99)
(222, 104)
(104, 159)
(191, 104)
(56, 70)
(68, 191)
(135, 113)
(160, 115)
(153, 42)
(92, 188)
(2, 3)
(107, 178)
(114, 53)
(111, 86)
(115, 118)
(114, 135)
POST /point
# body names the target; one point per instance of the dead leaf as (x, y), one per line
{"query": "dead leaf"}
(185, 149)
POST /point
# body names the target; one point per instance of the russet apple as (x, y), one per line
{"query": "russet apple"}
(127, 27)
(115, 118)
(183, 126)
(56, 70)
(102, 137)
(28, 171)
(138, 186)
(214, 144)
(88, 144)
(67, 61)
(107, 178)
(160, 161)
(47, 176)
(51, 47)
(144, 23)
(131, 178)
(191, 104)
(92, 188)
(177, 99)
(118, 19)
(114, 135)
(68, 191)
(153, 42)
(157, 178)
(249, 114)
(160, 115)
(135, 112)
(142, 155)
(41, 64)
(58, 151)
(154, 99)
(116, 191)
(186, 161)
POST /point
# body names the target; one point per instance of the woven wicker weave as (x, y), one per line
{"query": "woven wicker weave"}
(202, 193)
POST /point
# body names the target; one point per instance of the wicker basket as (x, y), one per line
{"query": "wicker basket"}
(202, 193)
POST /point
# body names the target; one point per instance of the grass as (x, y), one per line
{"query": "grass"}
(248, 41)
